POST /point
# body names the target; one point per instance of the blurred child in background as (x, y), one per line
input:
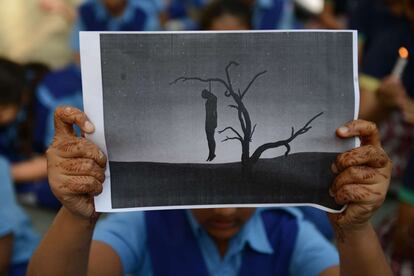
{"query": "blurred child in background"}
(266, 14)
(226, 15)
(385, 27)
(17, 238)
(116, 15)
(29, 95)
(16, 120)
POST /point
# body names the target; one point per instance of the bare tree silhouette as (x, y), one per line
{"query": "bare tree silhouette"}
(247, 128)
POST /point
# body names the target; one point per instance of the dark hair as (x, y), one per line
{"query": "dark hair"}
(219, 8)
(12, 83)
(17, 87)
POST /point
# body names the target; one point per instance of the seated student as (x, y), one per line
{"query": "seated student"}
(227, 241)
(236, 15)
(17, 238)
(26, 122)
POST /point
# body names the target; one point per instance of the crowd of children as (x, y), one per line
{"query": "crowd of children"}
(259, 242)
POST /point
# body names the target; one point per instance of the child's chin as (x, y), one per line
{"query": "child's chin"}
(223, 233)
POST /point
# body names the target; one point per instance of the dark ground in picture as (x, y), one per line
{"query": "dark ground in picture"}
(278, 180)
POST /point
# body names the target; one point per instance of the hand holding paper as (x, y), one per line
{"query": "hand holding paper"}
(363, 176)
(76, 166)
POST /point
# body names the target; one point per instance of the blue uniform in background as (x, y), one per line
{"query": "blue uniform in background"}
(60, 87)
(267, 14)
(14, 221)
(273, 14)
(275, 240)
(139, 15)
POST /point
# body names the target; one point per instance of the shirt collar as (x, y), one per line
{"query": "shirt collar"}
(253, 233)
(265, 3)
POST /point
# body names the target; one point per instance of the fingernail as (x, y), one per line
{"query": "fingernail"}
(89, 126)
(343, 129)
(334, 169)
(68, 110)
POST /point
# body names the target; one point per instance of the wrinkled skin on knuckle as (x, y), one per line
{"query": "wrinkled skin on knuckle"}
(381, 158)
(371, 155)
(363, 174)
(347, 159)
(69, 146)
(77, 166)
(78, 184)
(98, 190)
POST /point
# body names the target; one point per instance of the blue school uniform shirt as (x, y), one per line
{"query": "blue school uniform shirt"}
(273, 14)
(60, 87)
(178, 11)
(139, 15)
(126, 234)
(9, 139)
(13, 219)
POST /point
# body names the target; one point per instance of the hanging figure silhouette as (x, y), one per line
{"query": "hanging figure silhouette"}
(211, 121)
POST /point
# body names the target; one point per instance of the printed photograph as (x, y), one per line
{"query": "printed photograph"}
(222, 118)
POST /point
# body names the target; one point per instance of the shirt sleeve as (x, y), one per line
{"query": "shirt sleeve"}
(125, 233)
(74, 37)
(6, 198)
(312, 253)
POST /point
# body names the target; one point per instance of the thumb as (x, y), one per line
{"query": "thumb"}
(66, 117)
(367, 132)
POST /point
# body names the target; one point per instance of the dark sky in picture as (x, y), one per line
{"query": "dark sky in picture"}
(147, 119)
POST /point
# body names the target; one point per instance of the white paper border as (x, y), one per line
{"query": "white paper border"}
(93, 105)
(356, 81)
(90, 50)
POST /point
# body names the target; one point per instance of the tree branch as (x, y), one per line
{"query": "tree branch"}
(233, 106)
(228, 76)
(251, 82)
(251, 135)
(259, 151)
(239, 92)
(230, 64)
(184, 79)
(231, 138)
(232, 129)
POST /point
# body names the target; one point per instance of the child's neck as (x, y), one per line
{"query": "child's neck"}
(117, 10)
(222, 246)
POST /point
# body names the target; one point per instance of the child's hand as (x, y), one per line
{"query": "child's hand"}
(76, 166)
(363, 176)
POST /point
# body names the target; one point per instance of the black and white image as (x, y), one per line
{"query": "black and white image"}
(219, 118)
